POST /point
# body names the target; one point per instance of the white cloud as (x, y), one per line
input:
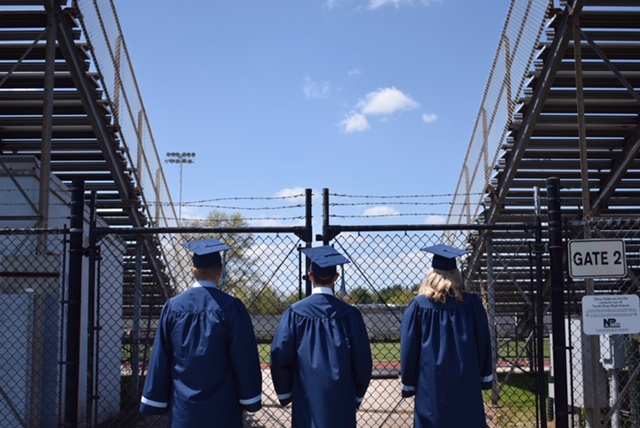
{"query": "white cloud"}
(383, 102)
(380, 211)
(374, 4)
(331, 3)
(386, 101)
(354, 122)
(315, 90)
(435, 219)
(189, 212)
(269, 222)
(354, 72)
(429, 117)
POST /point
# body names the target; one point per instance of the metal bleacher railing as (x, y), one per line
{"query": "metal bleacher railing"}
(516, 50)
(102, 30)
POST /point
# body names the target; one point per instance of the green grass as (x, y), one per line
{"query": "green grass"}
(516, 406)
(511, 348)
(380, 352)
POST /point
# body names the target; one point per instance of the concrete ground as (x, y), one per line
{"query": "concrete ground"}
(383, 407)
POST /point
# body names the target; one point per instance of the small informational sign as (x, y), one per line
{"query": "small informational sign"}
(611, 314)
(597, 258)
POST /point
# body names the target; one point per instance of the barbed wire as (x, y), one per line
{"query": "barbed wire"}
(283, 207)
(441, 195)
(384, 201)
(240, 198)
(388, 215)
(337, 204)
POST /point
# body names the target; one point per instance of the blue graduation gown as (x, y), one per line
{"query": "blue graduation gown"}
(445, 358)
(204, 366)
(321, 360)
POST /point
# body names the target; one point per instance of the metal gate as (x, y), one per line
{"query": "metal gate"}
(266, 271)
(126, 275)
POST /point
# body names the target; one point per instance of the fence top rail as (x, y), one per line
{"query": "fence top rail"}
(169, 230)
(430, 227)
(33, 231)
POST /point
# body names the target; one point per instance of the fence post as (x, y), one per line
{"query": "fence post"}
(92, 252)
(325, 217)
(491, 314)
(539, 302)
(557, 303)
(74, 297)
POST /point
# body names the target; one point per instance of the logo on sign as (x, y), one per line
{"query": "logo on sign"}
(610, 323)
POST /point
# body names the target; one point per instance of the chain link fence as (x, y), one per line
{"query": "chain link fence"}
(35, 373)
(266, 271)
(603, 370)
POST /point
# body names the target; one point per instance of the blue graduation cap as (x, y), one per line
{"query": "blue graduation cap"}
(206, 252)
(324, 260)
(444, 256)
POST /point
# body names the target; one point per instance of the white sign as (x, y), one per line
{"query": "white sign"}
(597, 258)
(611, 314)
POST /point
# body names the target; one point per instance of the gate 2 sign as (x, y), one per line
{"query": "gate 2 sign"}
(597, 258)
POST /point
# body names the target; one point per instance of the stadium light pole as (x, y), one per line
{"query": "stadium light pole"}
(180, 158)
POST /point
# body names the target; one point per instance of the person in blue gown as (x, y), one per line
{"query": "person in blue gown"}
(204, 367)
(320, 355)
(445, 348)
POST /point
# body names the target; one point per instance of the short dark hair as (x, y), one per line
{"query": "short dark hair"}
(324, 280)
(208, 272)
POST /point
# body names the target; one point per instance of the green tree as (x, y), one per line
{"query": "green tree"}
(263, 301)
(239, 242)
(242, 278)
(395, 295)
(359, 295)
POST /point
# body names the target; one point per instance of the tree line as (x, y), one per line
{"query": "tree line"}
(264, 299)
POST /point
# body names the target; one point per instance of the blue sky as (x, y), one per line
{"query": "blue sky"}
(363, 97)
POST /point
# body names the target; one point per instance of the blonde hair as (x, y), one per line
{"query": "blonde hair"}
(438, 284)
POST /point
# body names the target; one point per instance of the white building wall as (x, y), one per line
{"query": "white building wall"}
(30, 253)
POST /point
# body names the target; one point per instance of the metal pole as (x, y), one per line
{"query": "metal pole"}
(137, 315)
(491, 314)
(47, 127)
(325, 217)
(540, 375)
(557, 303)
(74, 298)
(308, 239)
(590, 352)
(181, 159)
(92, 391)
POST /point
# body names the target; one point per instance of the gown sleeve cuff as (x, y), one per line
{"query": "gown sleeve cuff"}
(153, 407)
(487, 382)
(285, 398)
(408, 391)
(252, 404)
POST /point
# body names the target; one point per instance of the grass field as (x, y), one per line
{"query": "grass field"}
(380, 352)
(516, 406)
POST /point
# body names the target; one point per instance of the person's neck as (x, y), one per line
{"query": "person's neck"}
(323, 289)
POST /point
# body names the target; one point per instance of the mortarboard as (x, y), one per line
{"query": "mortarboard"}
(324, 260)
(444, 256)
(206, 252)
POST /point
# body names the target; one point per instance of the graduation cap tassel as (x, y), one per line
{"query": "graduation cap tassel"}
(343, 287)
